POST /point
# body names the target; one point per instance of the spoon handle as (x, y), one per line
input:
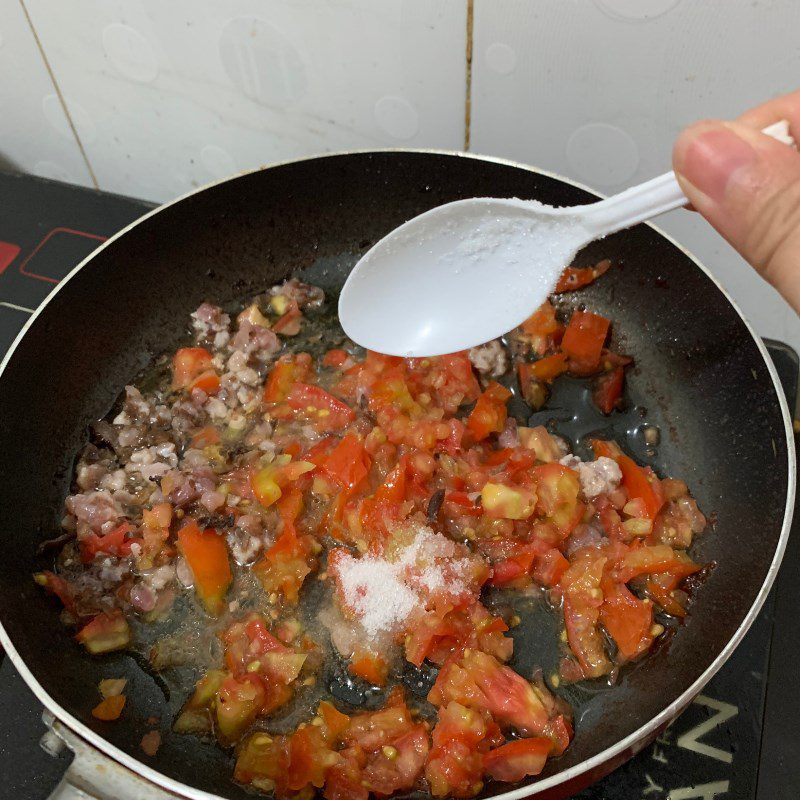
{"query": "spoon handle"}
(649, 199)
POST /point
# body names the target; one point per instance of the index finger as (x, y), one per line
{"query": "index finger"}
(785, 107)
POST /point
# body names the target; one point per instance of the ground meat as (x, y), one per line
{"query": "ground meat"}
(255, 341)
(305, 295)
(490, 359)
(96, 509)
(597, 477)
(211, 325)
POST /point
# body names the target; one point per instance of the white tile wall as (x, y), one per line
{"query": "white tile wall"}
(167, 96)
(598, 89)
(34, 131)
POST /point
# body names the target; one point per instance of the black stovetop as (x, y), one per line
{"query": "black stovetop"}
(739, 739)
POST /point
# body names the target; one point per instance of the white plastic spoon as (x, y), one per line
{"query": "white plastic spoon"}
(469, 271)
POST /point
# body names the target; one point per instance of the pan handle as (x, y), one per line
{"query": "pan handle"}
(92, 775)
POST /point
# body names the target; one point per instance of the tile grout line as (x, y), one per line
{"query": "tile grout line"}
(468, 97)
(59, 95)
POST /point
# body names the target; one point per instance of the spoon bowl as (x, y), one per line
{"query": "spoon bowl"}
(458, 275)
(471, 270)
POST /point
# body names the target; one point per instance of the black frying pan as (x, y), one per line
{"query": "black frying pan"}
(700, 375)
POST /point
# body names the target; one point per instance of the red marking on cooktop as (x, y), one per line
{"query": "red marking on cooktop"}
(50, 235)
(8, 252)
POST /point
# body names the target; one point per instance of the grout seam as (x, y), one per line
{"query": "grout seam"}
(468, 95)
(59, 95)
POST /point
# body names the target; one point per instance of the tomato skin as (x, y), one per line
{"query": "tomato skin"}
(206, 552)
(514, 761)
(207, 382)
(639, 482)
(607, 390)
(542, 328)
(286, 371)
(56, 585)
(369, 666)
(188, 364)
(327, 412)
(348, 463)
(583, 341)
(627, 619)
(573, 278)
(654, 559)
(109, 708)
(114, 543)
(661, 588)
(546, 369)
(489, 414)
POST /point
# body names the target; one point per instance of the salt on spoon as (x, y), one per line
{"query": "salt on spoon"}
(469, 271)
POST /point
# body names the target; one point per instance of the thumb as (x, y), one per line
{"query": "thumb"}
(747, 185)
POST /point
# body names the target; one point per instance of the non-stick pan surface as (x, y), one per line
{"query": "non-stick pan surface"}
(700, 376)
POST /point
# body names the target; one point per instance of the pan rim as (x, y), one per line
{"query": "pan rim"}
(527, 790)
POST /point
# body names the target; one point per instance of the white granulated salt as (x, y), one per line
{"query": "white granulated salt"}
(383, 594)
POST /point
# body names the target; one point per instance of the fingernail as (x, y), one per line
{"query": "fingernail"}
(709, 157)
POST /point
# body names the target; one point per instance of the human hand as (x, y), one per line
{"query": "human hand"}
(747, 185)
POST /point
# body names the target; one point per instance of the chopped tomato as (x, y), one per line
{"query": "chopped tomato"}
(583, 341)
(607, 390)
(206, 553)
(541, 442)
(158, 517)
(238, 703)
(114, 543)
(369, 666)
(663, 588)
(109, 708)
(455, 764)
(284, 566)
(489, 414)
(106, 632)
(335, 358)
(207, 382)
(514, 761)
(436, 636)
(284, 374)
(651, 560)
(627, 619)
(188, 364)
(347, 463)
(326, 412)
(479, 681)
(639, 482)
(542, 328)
(288, 324)
(557, 490)
(573, 278)
(582, 600)
(56, 585)
(550, 566)
(545, 369)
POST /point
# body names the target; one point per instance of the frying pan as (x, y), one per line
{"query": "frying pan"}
(701, 376)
